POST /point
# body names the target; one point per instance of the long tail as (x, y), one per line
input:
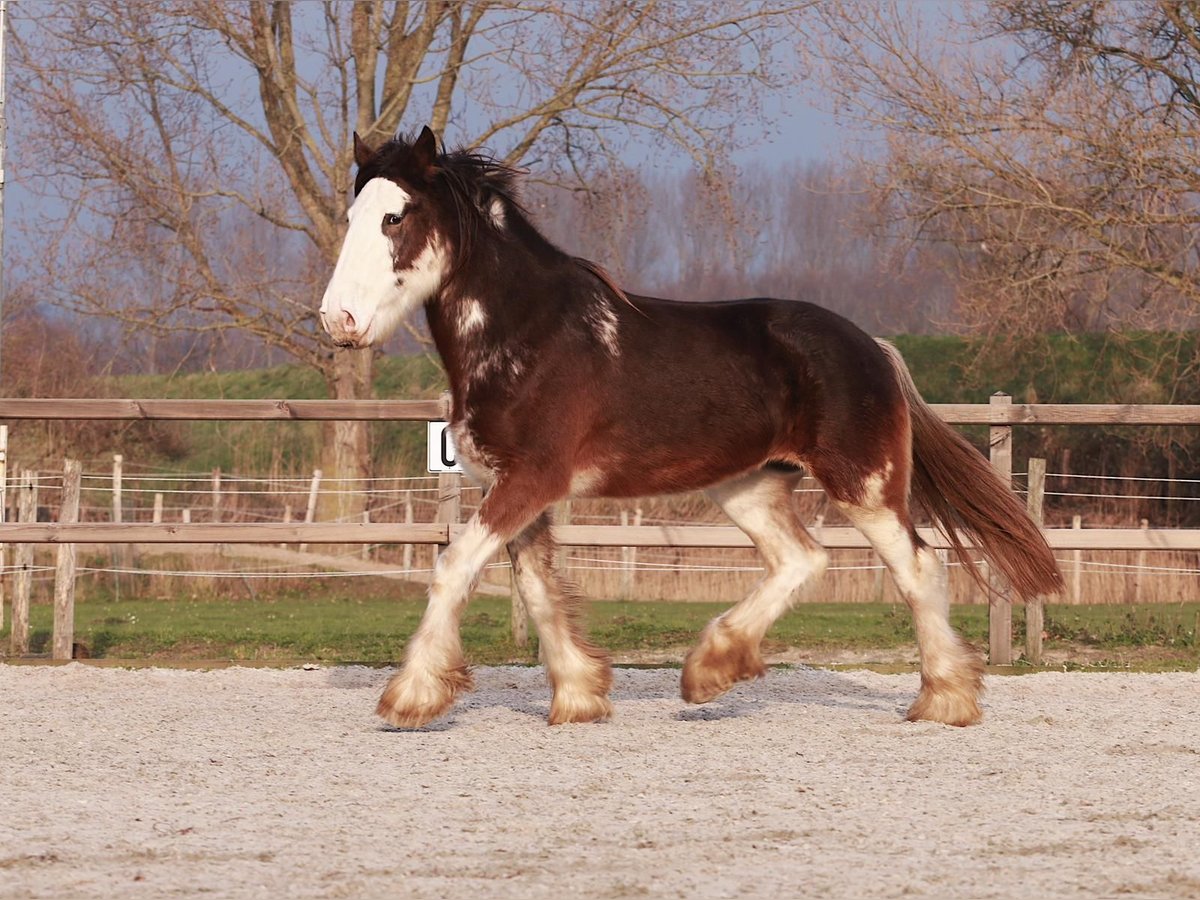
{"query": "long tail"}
(964, 496)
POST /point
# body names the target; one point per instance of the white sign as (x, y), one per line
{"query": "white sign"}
(439, 450)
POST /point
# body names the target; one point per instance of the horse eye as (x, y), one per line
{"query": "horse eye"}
(393, 218)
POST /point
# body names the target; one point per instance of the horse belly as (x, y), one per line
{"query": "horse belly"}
(635, 464)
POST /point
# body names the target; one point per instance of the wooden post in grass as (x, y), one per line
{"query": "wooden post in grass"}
(122, 554)
(287, 518)
(3, 512)
(408, 520)
(118, 513)
(1035, 610)
(64, 572)
(216, 495)
(1076, 566)
(23, 586)
(562, 516)
(310, 512)
(1139, 568)
(156, 581)
(449, 504)
(519, 616)
(629, 557)
(1000, 605)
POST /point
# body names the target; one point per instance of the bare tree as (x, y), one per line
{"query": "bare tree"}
(800, 230)
(1050, 144)
(155, 131)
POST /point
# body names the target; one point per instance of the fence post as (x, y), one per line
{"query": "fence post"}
(629, 556)
(121, 554)
(3, 512)
(519, 616)
(26, 512)
(1139, 566)
(64, 572)
(1000, 601)
(310, 512)
(1035, 609)
(449, 505)
(287, 519)
(157, 582)
(1076, 566)
(216, 495)
(366, 520)
(408, 520)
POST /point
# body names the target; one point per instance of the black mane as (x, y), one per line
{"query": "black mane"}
(473, 181)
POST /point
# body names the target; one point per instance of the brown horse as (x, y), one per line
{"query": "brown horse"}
(565, 386)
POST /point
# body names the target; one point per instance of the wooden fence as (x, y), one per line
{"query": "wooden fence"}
(1001, 414)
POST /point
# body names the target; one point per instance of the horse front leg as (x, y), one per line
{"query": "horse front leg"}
(434, 669)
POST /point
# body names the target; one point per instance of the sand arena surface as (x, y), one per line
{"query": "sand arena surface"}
(269, 783)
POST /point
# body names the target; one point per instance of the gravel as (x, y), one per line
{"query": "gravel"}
(262, 783)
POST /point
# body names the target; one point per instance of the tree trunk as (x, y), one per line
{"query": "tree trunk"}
(346, 453)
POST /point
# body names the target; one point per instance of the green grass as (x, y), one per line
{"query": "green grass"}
(337, 626)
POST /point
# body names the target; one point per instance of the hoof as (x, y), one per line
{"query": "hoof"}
(719, 661)
(411, 701)
(571, 706)
(582, 697)
(951, 700)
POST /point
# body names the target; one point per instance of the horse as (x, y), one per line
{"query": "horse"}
(564, 385)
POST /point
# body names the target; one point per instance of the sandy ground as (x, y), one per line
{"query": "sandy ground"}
(269, 783)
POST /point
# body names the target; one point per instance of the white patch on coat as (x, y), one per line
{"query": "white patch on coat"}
(486, 362)
(471, 317)
(585, 482)
(603, 319)
(366, 298)
(477, 465)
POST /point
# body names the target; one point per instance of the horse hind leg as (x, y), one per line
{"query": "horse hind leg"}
(951, 670)
(580, 674)
(728, 651)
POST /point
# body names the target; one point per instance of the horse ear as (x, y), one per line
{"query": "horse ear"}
(363, 153)
(424, 152)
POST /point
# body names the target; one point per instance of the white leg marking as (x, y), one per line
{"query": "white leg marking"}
(761, 505)
(433, 663)
(951, 674)
(457, 571)
(728, 650)
(579, 673)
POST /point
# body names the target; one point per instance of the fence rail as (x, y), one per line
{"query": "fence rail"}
(430, 410)
(1000, 414)
(697, 536)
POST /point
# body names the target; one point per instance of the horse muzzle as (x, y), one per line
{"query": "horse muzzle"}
(345, 330)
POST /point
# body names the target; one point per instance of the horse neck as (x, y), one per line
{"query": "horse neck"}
(488, 324)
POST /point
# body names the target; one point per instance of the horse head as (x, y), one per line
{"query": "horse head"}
(394, 257)
(414, 221)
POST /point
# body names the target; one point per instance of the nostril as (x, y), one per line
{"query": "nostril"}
(348, 320)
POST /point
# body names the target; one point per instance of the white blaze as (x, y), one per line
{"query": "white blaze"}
(365, 283)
